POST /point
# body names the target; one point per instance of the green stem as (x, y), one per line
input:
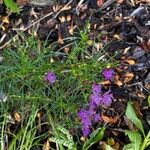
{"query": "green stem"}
(146, 142)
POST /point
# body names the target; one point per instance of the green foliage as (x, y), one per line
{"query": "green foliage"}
(131, 115)
(64, 138)
(135, 139)
(137, 143)
(95, 137)
(11, 5)
(22, 85)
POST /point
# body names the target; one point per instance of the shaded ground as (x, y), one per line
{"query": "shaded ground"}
(123, 27)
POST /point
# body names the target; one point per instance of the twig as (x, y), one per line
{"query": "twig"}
(139, 84)
(49, 14)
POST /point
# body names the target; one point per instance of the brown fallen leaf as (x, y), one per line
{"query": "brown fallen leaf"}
(105, 82)
(83, 138)
(128, 77)
(117, 80)
(46, 146)
(17, 117)
(130, 62)
(99, 3)
(109, 119)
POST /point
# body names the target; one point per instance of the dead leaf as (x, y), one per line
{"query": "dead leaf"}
(126, 50)
(119, 83)
(46, 146)
(17, 117)
(99, 3)
(68, 18)
(116, 145)
(130, 62)
(105, 82)
(83, 138)
(109, 119)
(5, 20)
(62, 19)
(66, 50)
(128, 77)
(60, 40)
(128, 74)
(116, 36)
(117, 80)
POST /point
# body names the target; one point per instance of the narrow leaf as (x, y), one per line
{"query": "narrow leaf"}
(95, 137)
(131, 115)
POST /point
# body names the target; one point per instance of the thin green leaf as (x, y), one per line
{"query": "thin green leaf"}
(148, 100)
(11, 5)
(133, 117)
(95, 137)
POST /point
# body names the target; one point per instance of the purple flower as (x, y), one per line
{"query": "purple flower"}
(95, 100)
(108, 74)
(107, 99)
(50, 77)
(85, 121)
(96, 88)
(96, 118)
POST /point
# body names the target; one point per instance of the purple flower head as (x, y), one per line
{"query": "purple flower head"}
(96, 117)
(107, 99)
(108, 74)
(96, 88)
(85, 121)
(50, 77)
(95, 100)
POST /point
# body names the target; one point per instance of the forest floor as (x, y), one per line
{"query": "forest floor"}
(52, 55)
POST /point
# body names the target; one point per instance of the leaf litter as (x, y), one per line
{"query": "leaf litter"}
(123, 24)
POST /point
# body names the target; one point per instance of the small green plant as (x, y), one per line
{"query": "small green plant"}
(10, 4)
(63, 138)
(138, 139)
(94, 137)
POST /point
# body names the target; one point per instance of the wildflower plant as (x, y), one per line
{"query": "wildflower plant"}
(89, 115)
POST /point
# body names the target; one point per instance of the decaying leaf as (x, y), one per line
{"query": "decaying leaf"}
(128, 77)
(46, 146)
(105, 82)
(83, 138)
(130, 62)
(5, 20)
(99, 3)
(109, 119)
(117, 80)
(17, 117)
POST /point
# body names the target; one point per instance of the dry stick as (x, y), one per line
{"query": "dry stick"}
(49, 14)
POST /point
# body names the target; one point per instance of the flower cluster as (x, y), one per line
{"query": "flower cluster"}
(50, 77)
(108, 74)
(89, 115)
